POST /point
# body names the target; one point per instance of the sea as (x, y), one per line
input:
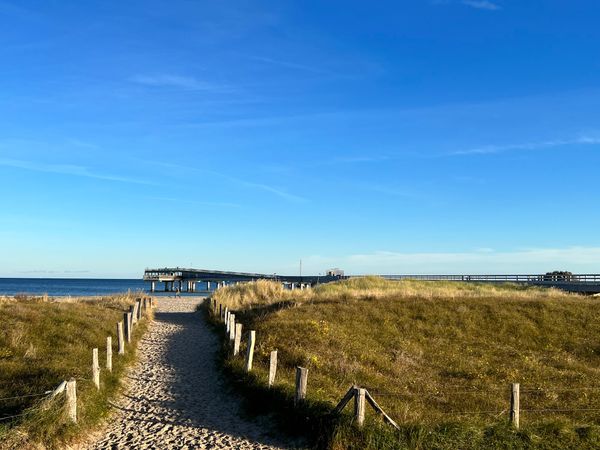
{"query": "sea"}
(60, 287)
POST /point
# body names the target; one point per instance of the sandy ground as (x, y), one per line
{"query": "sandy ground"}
(175, 398)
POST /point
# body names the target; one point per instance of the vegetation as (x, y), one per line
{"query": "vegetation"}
(439, 357)
(44, 342)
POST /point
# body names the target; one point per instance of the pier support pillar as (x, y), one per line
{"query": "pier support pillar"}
(208, 285)
(193, 286)
(152, 286)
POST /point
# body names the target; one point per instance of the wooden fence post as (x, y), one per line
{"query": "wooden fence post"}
(59, 389)
(250, 352)
(95, 368)
(71, 396)
(133, 314)
(109, 353)
(139, 309)
(272, 367)
(237, 339)
(515, 405)
(301, 381)
(128, 324)
(226, 320)
(120, 338)
(231, 327)
(359, 406)
(221, 311)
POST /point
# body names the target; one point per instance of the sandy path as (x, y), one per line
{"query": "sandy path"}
(174, 398)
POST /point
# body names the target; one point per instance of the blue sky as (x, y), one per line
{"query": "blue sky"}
(424, 136)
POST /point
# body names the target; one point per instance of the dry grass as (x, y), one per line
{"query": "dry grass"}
(431, 351)
(45, 341)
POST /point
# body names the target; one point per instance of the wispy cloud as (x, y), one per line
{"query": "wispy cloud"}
(275, 190)
(177, 81)
(271, 189)
(291, 65)
(68, 169)
(481, 260)
(481, 4)
(491, 149)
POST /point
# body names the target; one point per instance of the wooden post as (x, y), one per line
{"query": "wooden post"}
(139, 309)
(59, 389)
(301, 381)
(272, 367)
(72, 400)
(359, 406)
(221, 311)
(237, 339)
(120, 338)
(109, 353)
(128, 327)
(515, 405)
(231, 327)
(226, 320)
(250, 351)
(133, 314)
(95, 368)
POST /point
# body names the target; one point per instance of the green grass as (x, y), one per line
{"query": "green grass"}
(43, 343)
(428, 352)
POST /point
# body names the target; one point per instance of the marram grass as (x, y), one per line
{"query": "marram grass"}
(439, 357)
(44, 342)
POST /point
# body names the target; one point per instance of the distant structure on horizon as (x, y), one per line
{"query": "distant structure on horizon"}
(335, 272)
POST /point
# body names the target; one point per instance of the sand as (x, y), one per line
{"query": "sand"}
(175, 397)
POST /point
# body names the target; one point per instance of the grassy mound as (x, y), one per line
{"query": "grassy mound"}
(438, 357)
(45, 342)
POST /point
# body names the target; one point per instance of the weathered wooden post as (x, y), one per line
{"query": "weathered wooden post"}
(139, 309)
(120, 338)
(250, 350)
(359, 406)
(109, 353)
(301, 381)
(231, 327)
(95, 368)
(71, 397)
(226, 320)
(128, 327)
(515, 405)
(133, 314)
(272, 367)
(221, 311)
(237, 339)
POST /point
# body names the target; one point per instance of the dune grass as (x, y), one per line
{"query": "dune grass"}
(439, 357)
(44, 342)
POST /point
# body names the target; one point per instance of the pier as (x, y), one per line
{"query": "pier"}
(186, 280)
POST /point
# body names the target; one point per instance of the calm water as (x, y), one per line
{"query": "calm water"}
(75, 286)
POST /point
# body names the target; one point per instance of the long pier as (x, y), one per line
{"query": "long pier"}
(180, 279)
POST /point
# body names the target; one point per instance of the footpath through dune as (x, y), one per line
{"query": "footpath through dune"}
(175, 398)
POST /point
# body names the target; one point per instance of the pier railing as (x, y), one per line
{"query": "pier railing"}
(516, 278)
